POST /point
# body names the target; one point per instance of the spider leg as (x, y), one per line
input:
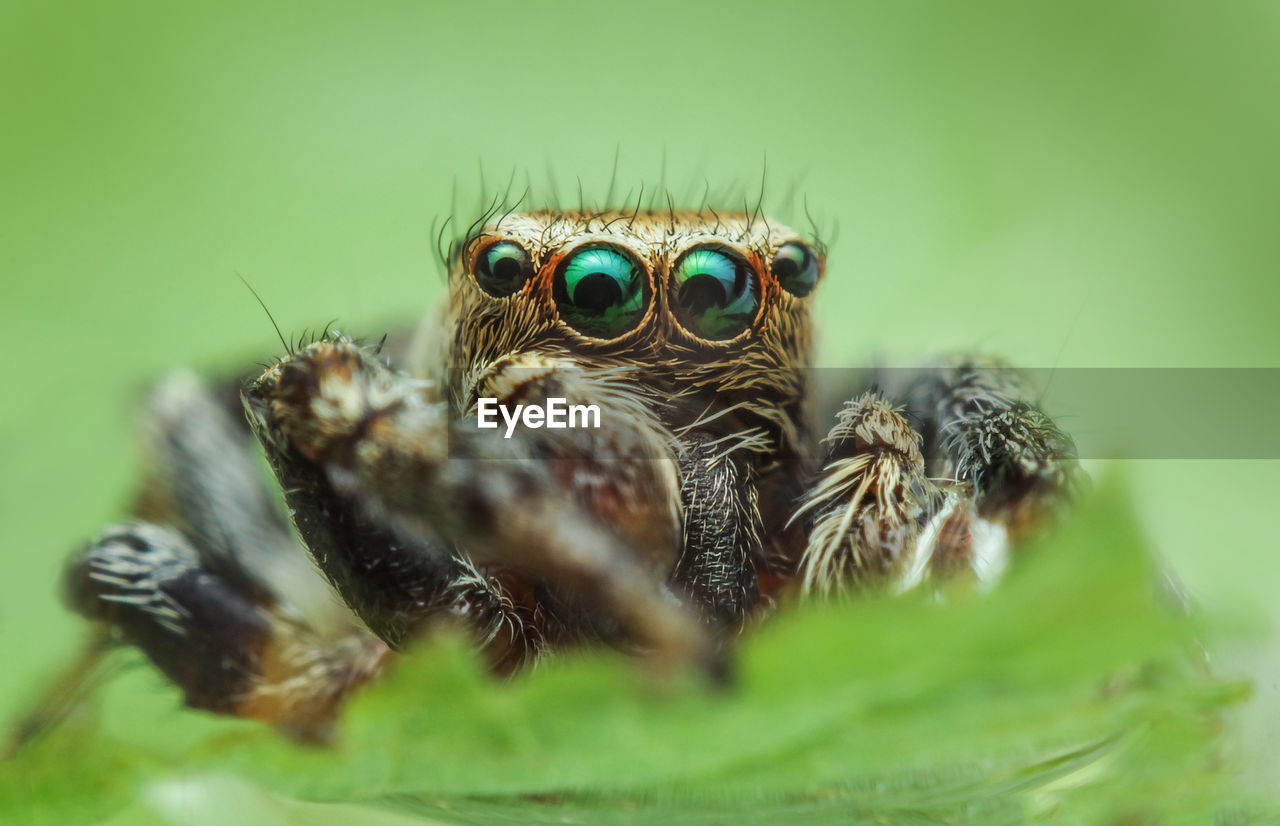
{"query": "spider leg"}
(982, 427)
(986, 469)
(224, 507)
(358, 446)
(722, 529)
(209, 584)
(202, 480)
(398, 585)
(230, 651)
(722, 535)
(871, 514)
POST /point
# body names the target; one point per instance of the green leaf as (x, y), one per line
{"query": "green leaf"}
(1071, 694)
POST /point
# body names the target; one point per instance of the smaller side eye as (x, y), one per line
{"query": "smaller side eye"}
(503, 268)
(796, 268)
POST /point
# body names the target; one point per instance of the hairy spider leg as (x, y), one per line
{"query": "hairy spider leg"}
(899, 506)
(378, 443)
(983, 426)
(208, 582)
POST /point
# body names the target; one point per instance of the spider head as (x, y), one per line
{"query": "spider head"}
(704, 303)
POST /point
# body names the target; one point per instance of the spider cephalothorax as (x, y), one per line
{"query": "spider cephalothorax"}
(715, 311)
(693, 499)
(691, 328)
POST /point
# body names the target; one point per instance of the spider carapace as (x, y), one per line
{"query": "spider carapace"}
(685, 502)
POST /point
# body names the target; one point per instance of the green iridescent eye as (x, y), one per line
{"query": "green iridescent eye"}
(715, 295)
(796, 268)
(600, 292)
(503, 268)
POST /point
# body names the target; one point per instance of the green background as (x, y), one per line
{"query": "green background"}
(1090, 185)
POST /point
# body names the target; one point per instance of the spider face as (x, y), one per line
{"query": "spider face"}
(698, 500)
(720, 303)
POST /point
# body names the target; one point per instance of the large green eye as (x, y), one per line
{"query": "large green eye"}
(796, 268)
(503, 268)
(600, 292)
(715, 295)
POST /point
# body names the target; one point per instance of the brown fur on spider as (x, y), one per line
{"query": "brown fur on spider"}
(689, 503)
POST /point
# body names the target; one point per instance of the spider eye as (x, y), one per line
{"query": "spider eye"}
(796, 268)
(715, 295)
(600, 292)
(503, 268)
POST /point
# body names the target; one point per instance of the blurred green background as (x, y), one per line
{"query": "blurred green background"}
(1093, 184)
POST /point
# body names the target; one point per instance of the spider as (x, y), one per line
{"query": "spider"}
(694, 507)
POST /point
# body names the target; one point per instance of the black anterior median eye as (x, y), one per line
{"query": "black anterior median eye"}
(715, 295)
(600, 292)
(796, 268)
(503, 268)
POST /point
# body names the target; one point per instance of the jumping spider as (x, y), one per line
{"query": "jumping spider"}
(688, 512)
